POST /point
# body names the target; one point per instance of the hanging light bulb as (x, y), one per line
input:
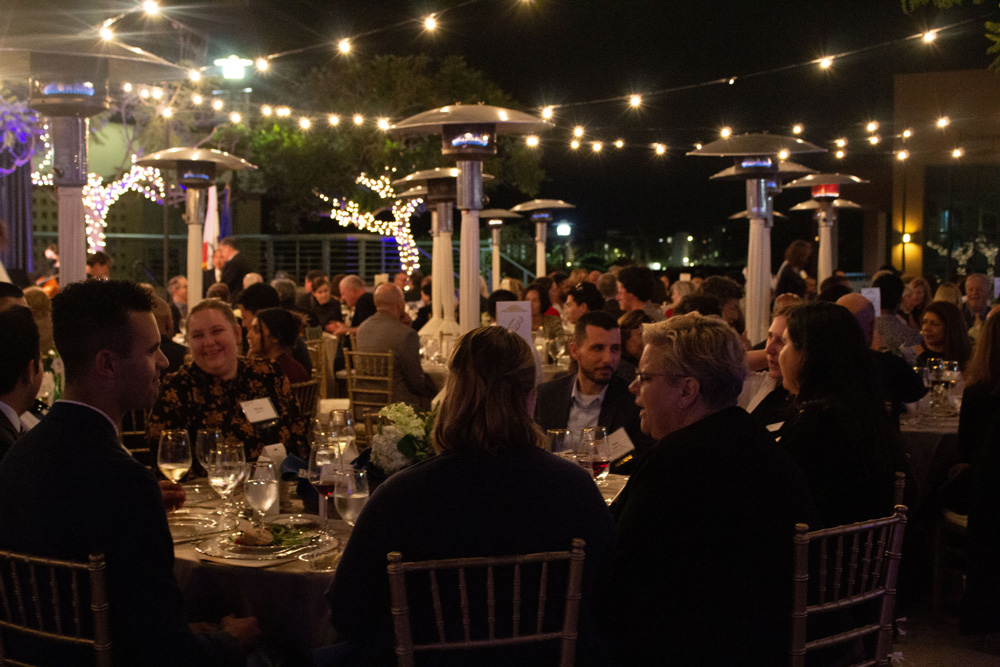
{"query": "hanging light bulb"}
(726, 132)
(531, 140)
(262, 64)
(635, 100)
(334, 119)
(578, 131)
(344, 46)
(430, 23)
(825, 63)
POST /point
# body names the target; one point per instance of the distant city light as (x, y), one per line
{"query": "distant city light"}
(690, 238)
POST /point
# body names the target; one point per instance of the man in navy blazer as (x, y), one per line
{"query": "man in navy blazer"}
(594, 396)
(70, 489)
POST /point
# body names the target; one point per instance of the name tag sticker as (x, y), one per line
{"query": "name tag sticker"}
(259, 410)
(620, 444)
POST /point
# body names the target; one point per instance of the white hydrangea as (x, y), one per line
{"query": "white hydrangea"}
(385, 454)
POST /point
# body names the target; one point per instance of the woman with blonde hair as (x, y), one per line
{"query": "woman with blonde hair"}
(950, 293)
(491, 490)
(916, 298)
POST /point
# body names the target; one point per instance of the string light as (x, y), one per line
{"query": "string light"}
(344, 46)
(197, 99)
(194, 75)
(930, 36)
(902, 155)
(574, 144)
(430, 23)
(127, 87)
(660, 149)
(783, 154)
(305, 123)
(597, 146)
(283, 112)
(872, 126)
(957, 153)
(235, 117)
(943, 121)
(825, 63)
(217, 104)
(531, 140)
(907, 133)
(874, 139)
(840, 155)
(635, 100)
(157, 93)
(262, 64)
(359, 119)
(382, 124)
(144, 93)
(334, 120)
(578, 131)
(167, 112)
(266, 110)
(726, 132)
(619, 144)
(547, 113)
(151, 7)
(106, 34)
(841, 142)
(797, 129)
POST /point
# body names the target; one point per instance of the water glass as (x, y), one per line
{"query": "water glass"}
(350, 494)
(261, 487)
(594, 441)
(226, 467)
(343, 434)
(174, 455)
(205, 440)
(559, 439)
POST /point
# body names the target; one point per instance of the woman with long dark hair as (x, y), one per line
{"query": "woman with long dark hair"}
(945, 335)
(841, 437)
(491, 490)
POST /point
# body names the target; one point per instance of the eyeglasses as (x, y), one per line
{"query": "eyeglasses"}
(643, 378)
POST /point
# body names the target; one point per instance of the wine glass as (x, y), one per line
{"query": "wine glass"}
(594, 441)
(174, 455)
(261, 487)
(342, 433)
(350, 494)
(559, 439)
(324, 461)
(226, 467)
(205, 440)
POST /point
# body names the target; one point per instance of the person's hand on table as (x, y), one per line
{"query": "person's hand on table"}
(336, 328)
(173, 495)
(245, 630)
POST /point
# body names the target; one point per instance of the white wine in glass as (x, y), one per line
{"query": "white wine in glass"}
(174, 455)
(350, 494)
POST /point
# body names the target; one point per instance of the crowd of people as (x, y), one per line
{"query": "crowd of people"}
(732, 441)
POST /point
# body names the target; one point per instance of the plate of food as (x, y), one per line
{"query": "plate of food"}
(186, 524)
(262, 545)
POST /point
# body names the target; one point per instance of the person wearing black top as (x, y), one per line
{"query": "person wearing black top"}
(324, 308)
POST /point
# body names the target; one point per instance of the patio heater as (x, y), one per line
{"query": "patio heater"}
(496, 216)
(469, 132)
(541, 213)
(69, 77)
(758, 163)
(196, 170)
(439, 187)
(825, 201)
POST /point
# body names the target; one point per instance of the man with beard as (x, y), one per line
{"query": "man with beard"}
(594, 396)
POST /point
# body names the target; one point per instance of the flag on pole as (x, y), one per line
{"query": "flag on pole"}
(225, 216)
(210, 232)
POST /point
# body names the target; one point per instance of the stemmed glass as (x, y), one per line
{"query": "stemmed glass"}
(206, 440)
(594, 441)
(324, 461)
(350, 494)
(261, 487)
(174, 455)
(342, 433)
(559, 439)
(226, 467)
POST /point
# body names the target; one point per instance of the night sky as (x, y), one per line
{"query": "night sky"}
(569, 52)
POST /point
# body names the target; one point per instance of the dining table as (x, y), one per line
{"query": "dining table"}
(930, 443)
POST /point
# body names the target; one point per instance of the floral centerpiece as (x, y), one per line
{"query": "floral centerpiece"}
(402, 438)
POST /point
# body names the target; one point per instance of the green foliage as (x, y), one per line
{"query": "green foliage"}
(913, 5)
(992, 27)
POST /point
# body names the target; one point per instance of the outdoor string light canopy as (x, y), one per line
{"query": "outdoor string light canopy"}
(757, 161)
(825, 201)
(69, 78)
(469, 132)
(439, 186)
(196, 169)
(541, 213)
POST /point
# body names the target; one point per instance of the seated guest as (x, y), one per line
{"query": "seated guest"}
(544, 319)
(705, 523)
(491, 490)
(324, 309)
(177, 289)
(385, 331)
(252, 279)
(841, 437)
(729, 293)
(978, 290)
(764, 396)
(256, 298)
(272, 335)
(631, 326)
(607, 285)
(109, 342)
(893, 333)
(99, 265)
(359, 300)
(20, 371)
(424, 313)
(594, 395)
(916, 298)
(678, 291)
(286, 299)
(219, 291)
(174, 352)
(11, 295)
(209, 391)
(945, 335)
(635, 291)
(41, 309)
(581, 299)
(302, 301)
(703, 304)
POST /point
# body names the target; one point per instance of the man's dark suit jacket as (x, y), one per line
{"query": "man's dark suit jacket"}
(8, 435)
(618, 410)
(233, 273)
(364, 308)
(69, 490)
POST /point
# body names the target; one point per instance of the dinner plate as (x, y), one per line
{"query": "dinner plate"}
(300, 521)
(200, 494)
(190, 523)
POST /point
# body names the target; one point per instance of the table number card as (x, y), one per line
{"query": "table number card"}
(874, 295)
(259, 410)
(515, 316)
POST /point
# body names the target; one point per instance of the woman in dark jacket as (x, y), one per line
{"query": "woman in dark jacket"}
(322, 305)
(841, 437)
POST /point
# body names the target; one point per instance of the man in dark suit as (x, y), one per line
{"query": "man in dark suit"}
(594, 395)
(385, 331)
(20, 371)
(236, 266)
(108, 340)
(705, 523)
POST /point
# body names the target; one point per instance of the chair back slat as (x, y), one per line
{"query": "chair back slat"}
(898, 488)
(369, 384)
(100, 607)
(36, 598)
(75, 591)
(493, 634)
(5, 599)
(307, 395)
(463, 591)
(879, 565)
(16, 584)
(56, 606)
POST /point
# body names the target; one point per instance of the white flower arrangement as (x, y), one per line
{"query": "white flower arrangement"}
(402, 439)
